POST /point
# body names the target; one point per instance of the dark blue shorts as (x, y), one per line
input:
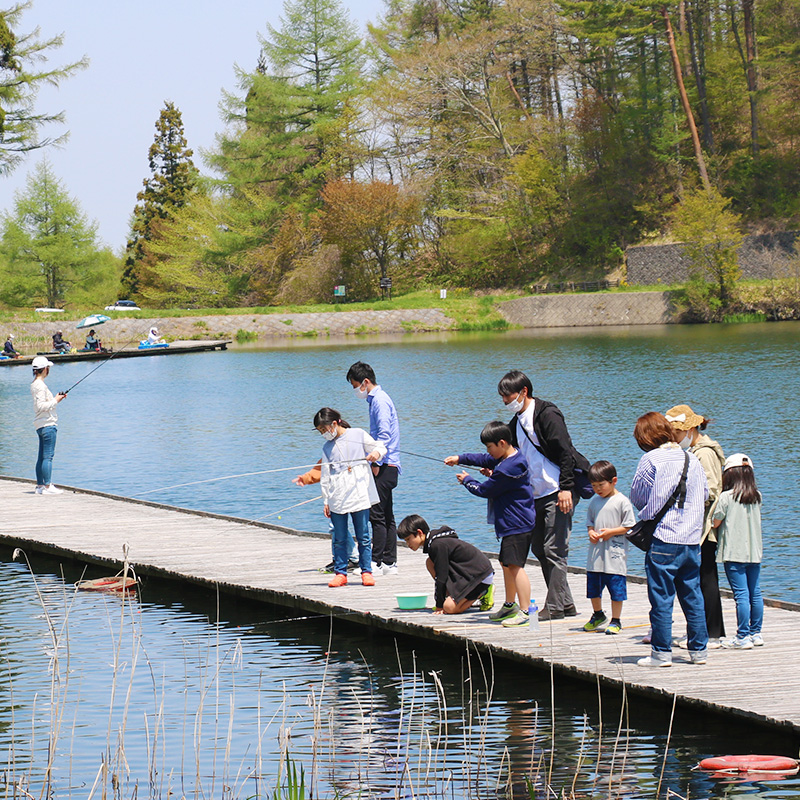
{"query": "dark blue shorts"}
(616, 584)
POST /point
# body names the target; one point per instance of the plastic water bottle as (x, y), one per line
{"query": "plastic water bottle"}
(533, 615)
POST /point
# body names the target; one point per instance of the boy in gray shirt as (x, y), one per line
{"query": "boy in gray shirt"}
(609, 516)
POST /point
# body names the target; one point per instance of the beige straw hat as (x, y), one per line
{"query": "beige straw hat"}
(683, 418)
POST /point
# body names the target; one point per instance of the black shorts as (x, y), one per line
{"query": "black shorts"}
(479, 591)
(514, 549)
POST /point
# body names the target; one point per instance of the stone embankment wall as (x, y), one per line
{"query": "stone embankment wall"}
(336, 323)
(769, 255)
(577, 310)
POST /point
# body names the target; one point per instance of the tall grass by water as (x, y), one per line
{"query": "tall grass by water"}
(440, 746)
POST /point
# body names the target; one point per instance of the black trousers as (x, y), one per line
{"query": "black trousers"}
(381, 517)
(709, 586)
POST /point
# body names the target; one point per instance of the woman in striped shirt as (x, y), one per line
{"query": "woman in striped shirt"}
(672, 563)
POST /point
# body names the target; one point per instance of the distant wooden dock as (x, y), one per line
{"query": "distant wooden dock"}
(276, 565)
(175, 348)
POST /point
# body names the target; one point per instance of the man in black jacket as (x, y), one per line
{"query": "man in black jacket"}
(539, 431)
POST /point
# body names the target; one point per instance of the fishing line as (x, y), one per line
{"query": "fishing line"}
(428, 458)
(249, 474)
(281, 510)
(116, 352)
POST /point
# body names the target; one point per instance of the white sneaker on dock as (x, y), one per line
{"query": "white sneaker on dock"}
(51, 489)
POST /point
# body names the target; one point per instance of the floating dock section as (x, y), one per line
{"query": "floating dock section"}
(279, 566)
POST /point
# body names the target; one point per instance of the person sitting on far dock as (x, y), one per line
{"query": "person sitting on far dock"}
(462, 574)
(60, 344)
(154, 337)
(508, 489)
(737, 519)
(8, 348)
(348, 487)
(609, 516)
(92, 342)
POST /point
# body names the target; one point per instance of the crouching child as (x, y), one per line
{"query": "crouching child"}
(462, 574)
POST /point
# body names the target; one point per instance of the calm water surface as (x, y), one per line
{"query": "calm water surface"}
(181, 696)
(195, 698)
(143, 424)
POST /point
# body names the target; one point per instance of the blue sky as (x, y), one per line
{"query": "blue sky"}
(142, 53)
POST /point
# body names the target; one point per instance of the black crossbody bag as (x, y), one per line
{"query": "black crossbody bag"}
(641, 534)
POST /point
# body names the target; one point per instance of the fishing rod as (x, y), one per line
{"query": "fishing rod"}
(281, 510)
(102, 363)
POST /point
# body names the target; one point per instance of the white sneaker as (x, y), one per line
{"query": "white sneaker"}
(655, 661)
(39, 489)
(51, 489)
(390, 569)
(377, 569)
(698, 656)
(713, 644)
(757, 639)
(735, 643)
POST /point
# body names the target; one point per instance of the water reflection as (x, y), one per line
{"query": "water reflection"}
(190, 694)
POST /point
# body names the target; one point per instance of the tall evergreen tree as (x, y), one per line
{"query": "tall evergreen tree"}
(168, 188)
(20, 79)
(49, 247)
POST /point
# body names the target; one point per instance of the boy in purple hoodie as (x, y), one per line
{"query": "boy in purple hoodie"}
(511, 509)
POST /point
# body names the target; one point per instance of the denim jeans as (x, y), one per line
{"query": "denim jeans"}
(341, 541)
(675, 569)
(743, 578)
(47, 449)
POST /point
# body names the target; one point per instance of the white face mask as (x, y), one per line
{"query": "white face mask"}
(515, 406)
(686, 442)
(361, 393)
(328, 436)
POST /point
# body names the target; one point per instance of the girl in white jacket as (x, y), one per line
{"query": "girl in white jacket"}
(348, 487)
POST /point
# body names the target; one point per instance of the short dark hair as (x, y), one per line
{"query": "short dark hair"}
(327, 416)
(410, 525)
(513, 382)
(652, 430)
(493, 432)
(360, 372)
(602, 471)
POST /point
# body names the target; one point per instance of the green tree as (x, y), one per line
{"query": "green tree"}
(711, 235)
(20, 79)
(172, 180)
(49, 248)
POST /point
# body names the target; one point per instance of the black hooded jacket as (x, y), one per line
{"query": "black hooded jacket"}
(459, 566)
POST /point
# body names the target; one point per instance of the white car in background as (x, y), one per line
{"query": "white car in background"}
(123, 305)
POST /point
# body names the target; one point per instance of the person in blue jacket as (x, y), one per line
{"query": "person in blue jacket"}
(511, 508)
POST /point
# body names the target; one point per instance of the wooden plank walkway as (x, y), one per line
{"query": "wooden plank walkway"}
(279, 566)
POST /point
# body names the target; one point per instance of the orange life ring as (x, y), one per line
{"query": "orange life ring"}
(752, 763)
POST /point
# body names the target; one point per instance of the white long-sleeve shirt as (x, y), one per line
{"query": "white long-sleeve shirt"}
(44, 405)
(347, 482)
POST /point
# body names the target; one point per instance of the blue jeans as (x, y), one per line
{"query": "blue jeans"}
(341, 541)
(675, 569)
(743, 578)
(47, 449)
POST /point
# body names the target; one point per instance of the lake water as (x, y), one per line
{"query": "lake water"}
(195, 697)
(182, 697)
(143, 424)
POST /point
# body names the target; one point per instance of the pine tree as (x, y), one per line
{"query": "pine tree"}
(49, 247)
(20, 79)
(172, 180)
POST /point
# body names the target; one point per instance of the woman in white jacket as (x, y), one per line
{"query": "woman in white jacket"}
(45, 422)
(348, 487)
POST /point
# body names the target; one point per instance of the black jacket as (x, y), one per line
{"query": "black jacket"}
(459, 566)
(555, 443)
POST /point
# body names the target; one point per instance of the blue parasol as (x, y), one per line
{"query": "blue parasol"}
(92, 320)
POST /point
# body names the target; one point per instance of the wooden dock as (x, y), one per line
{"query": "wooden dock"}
(277, 565)
(175, 348)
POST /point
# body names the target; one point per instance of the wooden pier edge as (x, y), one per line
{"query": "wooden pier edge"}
(454, 638)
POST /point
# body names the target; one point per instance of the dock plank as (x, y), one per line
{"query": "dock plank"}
(262, 562)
